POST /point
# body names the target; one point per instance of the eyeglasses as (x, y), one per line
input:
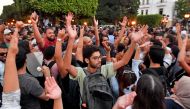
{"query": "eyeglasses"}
(3, 54)
(97, 57)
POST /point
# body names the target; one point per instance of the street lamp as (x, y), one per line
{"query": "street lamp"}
(133, 22)
(187, 16)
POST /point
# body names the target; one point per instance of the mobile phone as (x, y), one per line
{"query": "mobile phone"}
(183, 33)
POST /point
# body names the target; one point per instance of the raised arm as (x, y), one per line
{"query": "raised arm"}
(121, 33)
(11, 75)
(127, 56)
(68, 55)
(34, 18)
(58, 53)
(181, 57)
(54, 92)
(79, 54)
(96, 31)
(179, 39)
(108, 50)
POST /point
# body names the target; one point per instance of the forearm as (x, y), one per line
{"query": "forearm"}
(137, 54)
(58, 104)
(37, 35)
(79, 55)
(126, 57)
(108, 56)
(97, 36)
(11, 75)
(59, 59)
(181, 57)
(129, 53)
(68, 55)
(121, 33)
(179, 40)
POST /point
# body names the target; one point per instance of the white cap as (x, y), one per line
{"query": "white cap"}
(7, 31)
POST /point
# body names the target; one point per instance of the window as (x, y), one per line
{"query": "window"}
(161, 11)
(143, 1)
(147, 2)
(142, 12)
(147, 12)
(161, 1)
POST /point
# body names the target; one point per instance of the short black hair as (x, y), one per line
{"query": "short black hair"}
(89, 50)
(20, 58)
(156, 54)
(49, 52)
(171, 38)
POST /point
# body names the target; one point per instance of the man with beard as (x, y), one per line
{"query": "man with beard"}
(48, 36)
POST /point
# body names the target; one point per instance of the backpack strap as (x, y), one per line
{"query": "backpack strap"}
(87, 73)
(50, 65)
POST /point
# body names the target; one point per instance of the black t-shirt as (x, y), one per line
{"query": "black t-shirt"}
(170, 104)
(30, 90)
(157, 71)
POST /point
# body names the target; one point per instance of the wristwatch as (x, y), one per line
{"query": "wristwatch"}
(59, 39)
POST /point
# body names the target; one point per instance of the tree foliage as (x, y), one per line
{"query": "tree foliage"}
(150, 20)
(79, 7)
(18, 10)
(112, 10)
(182, 7)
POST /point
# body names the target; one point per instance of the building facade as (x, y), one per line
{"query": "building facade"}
(163, 7)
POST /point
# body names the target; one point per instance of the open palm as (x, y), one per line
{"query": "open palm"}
(53, 90)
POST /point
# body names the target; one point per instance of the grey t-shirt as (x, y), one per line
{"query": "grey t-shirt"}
(30, 90)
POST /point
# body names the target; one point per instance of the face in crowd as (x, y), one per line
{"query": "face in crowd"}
(50, 34)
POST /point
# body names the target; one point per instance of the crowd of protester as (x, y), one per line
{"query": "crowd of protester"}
(91, 67)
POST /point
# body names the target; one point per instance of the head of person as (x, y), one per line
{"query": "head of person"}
(87, 41)
(127, 41)
(49, 53)
(49, 34)
(156, 54)
(150, 93)
(7, 35)
(21, 58)
(92, 56)
(120, 51)
(104, 39)
(3, 52)
(170, 39)
(181, 90)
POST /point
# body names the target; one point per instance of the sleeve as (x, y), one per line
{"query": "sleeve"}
(167, 60)
(135, 67)
(108, 70)
(80, 77)
(34, 88)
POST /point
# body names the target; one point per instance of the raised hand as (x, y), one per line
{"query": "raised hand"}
(19, 25)
(106, 46)
(95, 21)
(72, 31)
(14, 45)
(61, 34)
(124, 22)
(46, 71)
(34, 18)
(124, 101)
(136, 36)
(69, 18)
(53, 90)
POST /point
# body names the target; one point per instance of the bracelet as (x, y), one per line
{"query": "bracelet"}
(59, 39)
